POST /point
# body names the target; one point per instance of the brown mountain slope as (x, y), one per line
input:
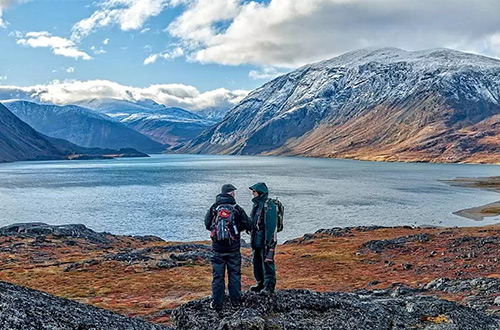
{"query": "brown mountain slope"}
(419, 132)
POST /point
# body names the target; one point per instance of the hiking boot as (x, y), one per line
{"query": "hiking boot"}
(212, 306)
(266, 292)
(256, 288)
(236, 305)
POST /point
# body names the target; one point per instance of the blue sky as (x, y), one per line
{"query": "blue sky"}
(209, 53)
(124, 54)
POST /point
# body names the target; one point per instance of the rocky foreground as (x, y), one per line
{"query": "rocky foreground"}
(356, 278)
(395, 308)
(25, 309)
(399, 308)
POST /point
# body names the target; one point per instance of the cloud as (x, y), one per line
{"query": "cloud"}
(128, 14)
(15, 34)
(264, 73)
(105, 41)
(151, 59)
(70, 69)
(290, 33)
(3, 24)
(3, 78)
(170, 55)
(196, 24)
(97, 51)
(175, 95)
(60, 46)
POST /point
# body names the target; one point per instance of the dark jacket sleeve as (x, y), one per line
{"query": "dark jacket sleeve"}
(271, 224)
(209, 217)
(245, 223)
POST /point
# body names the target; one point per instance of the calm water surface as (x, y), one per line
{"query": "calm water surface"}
(168, 195)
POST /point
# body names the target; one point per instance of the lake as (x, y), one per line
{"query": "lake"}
(168, 195)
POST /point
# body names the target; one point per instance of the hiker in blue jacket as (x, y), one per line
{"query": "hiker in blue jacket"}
(225, 219)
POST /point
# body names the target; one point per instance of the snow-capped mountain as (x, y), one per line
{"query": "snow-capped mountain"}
(81, 126)
(167, 125)
(384, 104)
(215, 114)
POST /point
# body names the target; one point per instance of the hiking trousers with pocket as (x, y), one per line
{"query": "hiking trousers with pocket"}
(264, 272)
(220, 262)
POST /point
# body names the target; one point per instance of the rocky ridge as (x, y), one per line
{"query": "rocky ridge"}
(391, 309)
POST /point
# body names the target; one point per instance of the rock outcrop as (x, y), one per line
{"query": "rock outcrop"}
(26, 309)
(38, 229)
(397, 308)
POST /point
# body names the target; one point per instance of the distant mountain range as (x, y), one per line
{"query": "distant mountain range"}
(168, 125)
(81, 126)
(19, 141)
(382, 104)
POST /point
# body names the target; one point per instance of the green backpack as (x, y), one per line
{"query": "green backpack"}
(280, 210)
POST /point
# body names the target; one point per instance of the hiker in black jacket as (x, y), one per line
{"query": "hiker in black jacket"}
(225, 219)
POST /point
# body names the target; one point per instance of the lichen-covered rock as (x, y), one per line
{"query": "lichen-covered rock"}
(339, 232)
(480, 293)
(38, 229)
(378, 246)
(26, 309)
(391, 309)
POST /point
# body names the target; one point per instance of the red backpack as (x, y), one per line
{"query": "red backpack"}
(224, 223)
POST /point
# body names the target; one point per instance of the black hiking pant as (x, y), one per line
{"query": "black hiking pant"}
(221, 261)
(264, 272)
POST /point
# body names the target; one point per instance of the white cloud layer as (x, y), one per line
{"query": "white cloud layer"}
(289, 33)
(128, 14)
(172, 95)
(60, 46)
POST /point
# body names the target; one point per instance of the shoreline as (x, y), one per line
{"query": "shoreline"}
(478, 213)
